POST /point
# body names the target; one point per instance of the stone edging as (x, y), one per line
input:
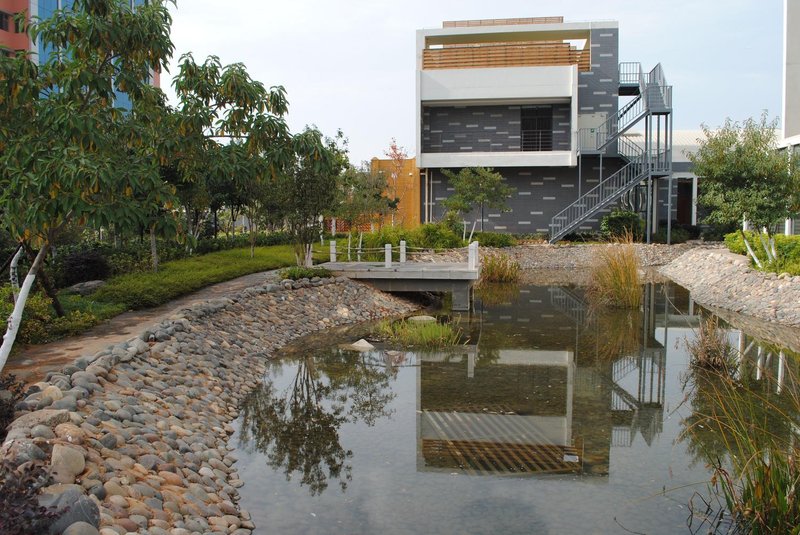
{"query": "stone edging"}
(136, 435)
(721, 279)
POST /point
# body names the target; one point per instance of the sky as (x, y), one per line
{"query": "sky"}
(350, 64)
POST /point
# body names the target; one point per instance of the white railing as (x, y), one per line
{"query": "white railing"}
(473, 256)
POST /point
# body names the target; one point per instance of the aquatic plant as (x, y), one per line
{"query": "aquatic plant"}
(427, 334)
(492, 293)
(615, 279)
(710, 348)
(748, 437)
(499, 267)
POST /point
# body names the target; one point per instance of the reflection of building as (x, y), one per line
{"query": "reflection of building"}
(500, 418)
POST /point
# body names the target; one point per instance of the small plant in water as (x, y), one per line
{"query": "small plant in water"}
(499, 267)
(428, 334)
(300, 272)
(710, 348)
(615, 279)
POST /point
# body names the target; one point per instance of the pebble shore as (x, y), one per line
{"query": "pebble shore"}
(721, 279)
(136, 436)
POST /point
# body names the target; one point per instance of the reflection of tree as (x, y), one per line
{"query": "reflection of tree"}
(298, 429)
(613, 333)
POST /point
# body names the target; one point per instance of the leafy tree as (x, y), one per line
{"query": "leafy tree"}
(307, 188)
(477, 186)
(68, 154)
(398, 155)
(745, 177)
(361, 196)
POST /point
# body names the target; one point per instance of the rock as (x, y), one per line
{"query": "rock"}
(73, 507)
(361, 345)
(86, 288)
(422, 319)
(70, 432)
(53, 392)
(48, 417)
(81, 528)
(66, 463)
(42, 431)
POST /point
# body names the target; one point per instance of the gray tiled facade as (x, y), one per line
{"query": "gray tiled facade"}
(486, 128)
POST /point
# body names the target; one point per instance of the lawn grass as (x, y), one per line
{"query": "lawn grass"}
(180, 277)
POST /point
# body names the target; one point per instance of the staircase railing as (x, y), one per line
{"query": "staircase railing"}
(607, 191)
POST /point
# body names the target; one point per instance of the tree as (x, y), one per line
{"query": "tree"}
(477, 186)
(307, 188)
(745, 178)
(361, 196)
(398, 156)
(67, 153)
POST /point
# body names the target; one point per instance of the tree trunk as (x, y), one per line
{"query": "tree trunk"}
(13, 276)
(153, 248)
(750, 250)
(44, 281)
(216, 225)
(16, 316)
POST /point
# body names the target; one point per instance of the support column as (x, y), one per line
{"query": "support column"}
(694, 200)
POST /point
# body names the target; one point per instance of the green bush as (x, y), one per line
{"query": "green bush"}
(495, 239)
(619, 222)
(81, 266)
(298, 272)
(35, 317)
(499, 267)
(678, 235)
(788, 248)
(72, 324)
(436, 236)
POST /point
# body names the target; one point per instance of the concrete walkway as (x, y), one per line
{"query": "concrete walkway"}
(32, 363)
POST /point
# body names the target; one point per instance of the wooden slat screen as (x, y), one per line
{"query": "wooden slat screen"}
(501, 22)
(505, 55)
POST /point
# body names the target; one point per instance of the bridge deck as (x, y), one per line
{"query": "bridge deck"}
(444, 271)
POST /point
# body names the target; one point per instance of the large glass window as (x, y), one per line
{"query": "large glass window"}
(537, 128)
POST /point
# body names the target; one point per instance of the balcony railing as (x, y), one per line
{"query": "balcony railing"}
(527, 141)
(488, 55)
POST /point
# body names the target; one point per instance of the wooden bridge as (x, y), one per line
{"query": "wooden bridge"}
(454, 277)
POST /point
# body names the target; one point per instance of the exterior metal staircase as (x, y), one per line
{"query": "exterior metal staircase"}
(652, 96)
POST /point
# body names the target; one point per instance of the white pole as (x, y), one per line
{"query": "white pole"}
(472, 231)
(333, 250)
(788, 226)
(402, 251)
(360, 240)
(387, 249)
(472, 255)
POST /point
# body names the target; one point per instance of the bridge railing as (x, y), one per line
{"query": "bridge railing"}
(473, 257)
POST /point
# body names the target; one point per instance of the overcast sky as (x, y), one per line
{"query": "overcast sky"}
(349, 64)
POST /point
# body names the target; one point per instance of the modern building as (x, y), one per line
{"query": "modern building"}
(791, 74)
(13, 37)
(545, 103)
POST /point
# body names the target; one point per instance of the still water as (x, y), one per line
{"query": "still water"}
(551, 419)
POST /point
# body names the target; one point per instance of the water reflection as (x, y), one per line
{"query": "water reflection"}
(563, 398)
(297, 428)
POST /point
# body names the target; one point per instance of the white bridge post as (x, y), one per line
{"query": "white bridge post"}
(333, 250)
(402, 251)
(472, 255)
(388, 255)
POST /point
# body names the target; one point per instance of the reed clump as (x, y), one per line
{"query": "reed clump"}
(710, 349)
(615, 278)
(499, 268)
(427, 334)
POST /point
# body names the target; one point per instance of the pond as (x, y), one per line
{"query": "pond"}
(550, 419)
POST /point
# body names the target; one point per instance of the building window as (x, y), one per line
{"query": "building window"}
(537, 128)
(5, 20)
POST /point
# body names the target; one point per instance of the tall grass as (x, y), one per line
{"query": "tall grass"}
(757, 431)
(710, 348)
(429, 334)
(615, 279)
(499, 267)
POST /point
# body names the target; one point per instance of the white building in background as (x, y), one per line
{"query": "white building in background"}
(791, 74)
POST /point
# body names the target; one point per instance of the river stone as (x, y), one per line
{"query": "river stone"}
(48, 417)
(422, 319)
(53, 392)
(70, 432)
(42, 431)
(361, 345)
(73, 507)
(81, 528)
(86, 288)
(66, 463)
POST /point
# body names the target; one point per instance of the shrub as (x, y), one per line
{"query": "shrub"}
(715, 232)
(788, 248)
(678, 235)
(73, 323)
(495, 239)
(428, 334)
(499, 268)
(82, 266)
(20, 512)
(35, 317)
(621, 222)
(436, 236)
(298, 272)
(615, 279)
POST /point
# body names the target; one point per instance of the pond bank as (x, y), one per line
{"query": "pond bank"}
(718, 278)
(136, 435)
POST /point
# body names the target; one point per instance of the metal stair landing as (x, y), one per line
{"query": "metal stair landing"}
(653, 97)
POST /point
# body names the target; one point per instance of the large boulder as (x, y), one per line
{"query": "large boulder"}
(86, 288)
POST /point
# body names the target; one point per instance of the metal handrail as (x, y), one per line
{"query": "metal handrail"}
(608, 190)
